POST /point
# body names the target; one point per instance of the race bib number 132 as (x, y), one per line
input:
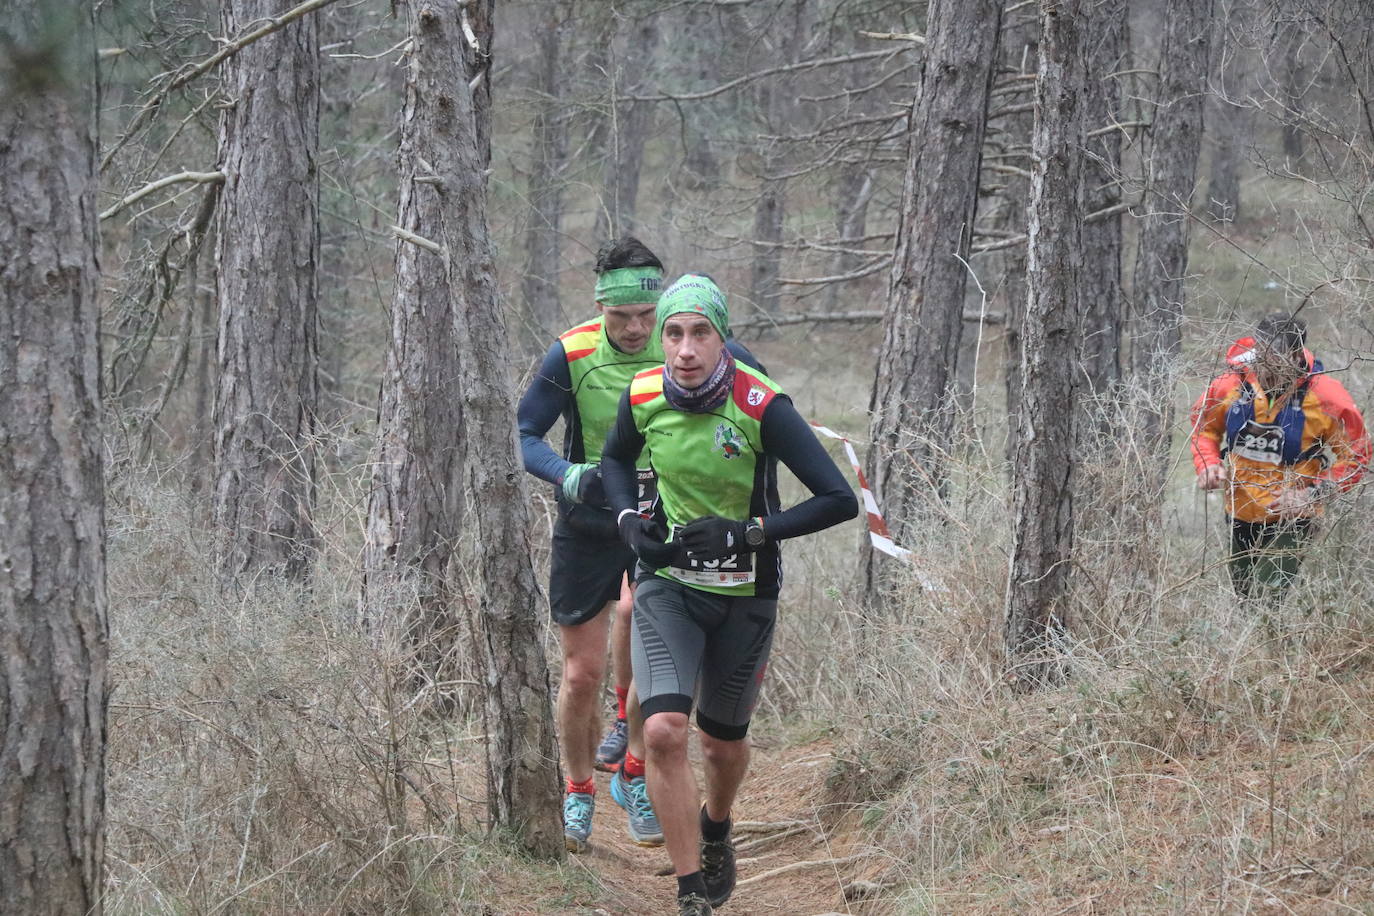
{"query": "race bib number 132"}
(736, 569)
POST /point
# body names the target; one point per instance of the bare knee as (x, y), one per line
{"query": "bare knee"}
(583, 676)
(665, 734)
(719, 752)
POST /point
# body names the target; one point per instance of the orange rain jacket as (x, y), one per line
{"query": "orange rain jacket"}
(1236, 421)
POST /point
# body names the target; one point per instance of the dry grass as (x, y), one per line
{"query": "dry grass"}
(1202, 755)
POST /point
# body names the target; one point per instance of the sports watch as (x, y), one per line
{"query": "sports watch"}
(753, 533)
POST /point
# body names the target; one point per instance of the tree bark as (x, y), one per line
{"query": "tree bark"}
(543, 312)
(267, 390)
(1019, 53)
(778, 102)
(53, 628)
(911, 404)
(1042, 492)
(626, 132)
(448, 514)
(1162, 258)
(853, 193)
(1229, 119)
(1293, 79)
(1100, 337)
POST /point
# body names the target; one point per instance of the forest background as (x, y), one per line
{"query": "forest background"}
(306, 728)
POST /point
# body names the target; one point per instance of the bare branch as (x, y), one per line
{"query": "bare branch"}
(1021, 239)
(760, 74)
(880, 264)
(839, 317)
(180, 177)
(895, 36)
(205, 66)
(406, 235)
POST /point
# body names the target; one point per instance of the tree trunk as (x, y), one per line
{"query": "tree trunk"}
(911, 404)
(543, 312)
(202, 429)
(53, 629)
(1293, 79)
(778, 102)
(448, 514)
(1042, 494)
(852, 196)
(1100, 338)
(1162, 259)
(1019, 54)
(1229, 120)
(628, 130)
(267, 390)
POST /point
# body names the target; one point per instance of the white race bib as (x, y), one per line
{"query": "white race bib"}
(736, 569)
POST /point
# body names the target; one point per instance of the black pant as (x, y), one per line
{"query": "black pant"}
(1266, 555)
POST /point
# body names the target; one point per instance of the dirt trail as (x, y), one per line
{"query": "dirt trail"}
(783, 792)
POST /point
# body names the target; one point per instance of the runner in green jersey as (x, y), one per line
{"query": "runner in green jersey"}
(709, 564)
(580, 381)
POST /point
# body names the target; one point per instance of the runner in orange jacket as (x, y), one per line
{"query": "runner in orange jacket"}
(1282, 437)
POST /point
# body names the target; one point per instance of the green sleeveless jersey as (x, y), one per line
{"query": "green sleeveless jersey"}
(713, 463)
(600, 374)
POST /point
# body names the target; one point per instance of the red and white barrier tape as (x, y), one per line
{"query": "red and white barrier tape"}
(878, 531)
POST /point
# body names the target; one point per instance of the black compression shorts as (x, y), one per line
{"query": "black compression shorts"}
(686, 643)
(585, 572)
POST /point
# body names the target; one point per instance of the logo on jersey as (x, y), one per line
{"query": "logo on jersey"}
(727, 440)
(755, 396)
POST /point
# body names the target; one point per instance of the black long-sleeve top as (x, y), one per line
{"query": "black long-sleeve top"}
(785, 436)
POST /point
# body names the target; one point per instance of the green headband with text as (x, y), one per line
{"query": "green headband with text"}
(629, 286)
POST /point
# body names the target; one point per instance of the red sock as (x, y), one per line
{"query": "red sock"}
(633, 767)
(620, 694)
(588, 787)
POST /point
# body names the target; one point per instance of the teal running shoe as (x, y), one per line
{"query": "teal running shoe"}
(577, 820)
(633, 796)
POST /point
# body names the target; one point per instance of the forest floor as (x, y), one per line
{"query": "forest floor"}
(791, 861)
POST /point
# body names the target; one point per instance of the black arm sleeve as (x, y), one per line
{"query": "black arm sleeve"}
(623, 444)
(744, 355)
(787, 437)
(540, 406)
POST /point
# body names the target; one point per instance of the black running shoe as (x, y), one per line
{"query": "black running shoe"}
(693, 905)
(718, 868)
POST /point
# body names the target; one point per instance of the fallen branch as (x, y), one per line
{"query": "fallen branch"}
(154, 187)
(768, 838)
(798, 866)
(764, 826)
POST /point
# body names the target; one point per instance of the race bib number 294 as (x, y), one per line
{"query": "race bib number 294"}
(1262, 442)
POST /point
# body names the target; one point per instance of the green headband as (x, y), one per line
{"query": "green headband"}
(629, 286)
(695, 293)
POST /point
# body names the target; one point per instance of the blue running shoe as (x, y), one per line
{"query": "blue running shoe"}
(577, 820)
(633, 796)
(612, 749)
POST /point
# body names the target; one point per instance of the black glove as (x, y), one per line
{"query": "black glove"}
(713, 538)
(590, 489)
(645, 537)
(582, 485)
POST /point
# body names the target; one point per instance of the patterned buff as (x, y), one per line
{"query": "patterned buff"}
(695, 293)
(707, 396)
